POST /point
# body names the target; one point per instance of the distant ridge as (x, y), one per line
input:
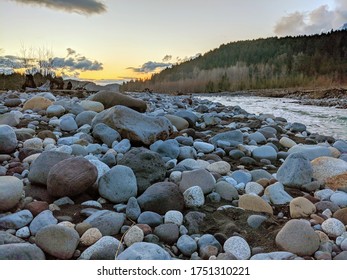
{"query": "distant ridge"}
(315, 60)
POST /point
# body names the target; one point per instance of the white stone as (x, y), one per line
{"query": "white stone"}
(194, 197)
(33, 143)
(333, 227)
(23, 232)
(238, 247)
(254, 187)
(174, 217)
(176, 176)
(220, 167)
(286, 142)
(91, 236)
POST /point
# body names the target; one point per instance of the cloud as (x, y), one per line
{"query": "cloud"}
(150, 66)
(70, 52)
(185, 59)
(77, 63)
(11, 61)
(167, 58)
(86, 7)
(321, 19)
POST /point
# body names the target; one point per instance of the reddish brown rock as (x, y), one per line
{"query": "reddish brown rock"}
(341, 215)
(36, 207)
(71, 177)
(338, 182)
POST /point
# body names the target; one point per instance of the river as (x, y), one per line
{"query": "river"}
(327, 121)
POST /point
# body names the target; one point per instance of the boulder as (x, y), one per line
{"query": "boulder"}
(148, 167)
(152, 199)
(71, 177)
(111, 98)
(40, 168)
(135, 126)
(37, 103)
(326, 167)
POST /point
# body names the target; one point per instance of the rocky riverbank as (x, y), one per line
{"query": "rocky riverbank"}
(148, 176)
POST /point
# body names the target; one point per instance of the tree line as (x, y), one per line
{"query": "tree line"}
(301, 61)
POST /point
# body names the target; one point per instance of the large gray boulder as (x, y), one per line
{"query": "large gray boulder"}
(135, 126)
(21, 251)
(118, 184)
(295, 171)
(148, 167)
(161, 197)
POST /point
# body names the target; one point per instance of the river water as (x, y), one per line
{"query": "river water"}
(327, 121)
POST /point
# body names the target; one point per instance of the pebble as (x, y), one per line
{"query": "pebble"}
(90, 236)
(339, 198)
(174, 217)
(42, 220)
(203, 147)
(199, 177)
(21, 251)
(8, 139)
(333, 227)
(254, 187)
(133, 235)
(254, 203)
(277, 194)
(150, 218)
(144, 251)
(16, 220)
(11, 189)
(194, 197)
(167, 233)
(264, 152)
(186, 245)
(220, 167)
(301, 207)
(238, 247)
(106, 248)
(226, 190)
(108, 222)
(326, 167)
(23, 232)
(255, 221)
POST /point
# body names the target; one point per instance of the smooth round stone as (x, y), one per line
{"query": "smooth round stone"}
(277, 194)
(101, 167)
(144, 251)
(326, 167)
(37, 103)
(323, 194)
(341, 215)
(295, 171)
(16, 220)
(199, 177)
(238, 247)
(311, 151)
(343, 245)
(23, 232)
(89, 105)
(133, 235)
(108, 222)
(241, 176)
(298, 237)
(85, 117)
(133, 209)
(42, 220)
(226, 190)
(65, 241)
(21, 251)
(301, 207)
(264, 152)
(258, 174)
(118, 184)
(186, 245)
(192, 164)
(333, 227)
(341, 146)
(286, 142)
(220, 167)
(178, 122)
(254, 203)
(339, 198)
(274, 256)
(338, 182)
(71, 177)
(194, 197)
(176, 176)
(174, 217)
(203, 147)
(209, 240)
(106, 248)
(187, 152)
(150, 218)
(255, 221)
(8, 139)
(34, 143)
(257, 137)
(167, 233)
(55, 111)
(91, 236)
(123, 146)
(254, 187)
(68, 123)
(11, 189)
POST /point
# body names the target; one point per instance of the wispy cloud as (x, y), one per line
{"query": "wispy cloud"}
(86, 7)
(150, 67)
(319, 20)
(167, 58)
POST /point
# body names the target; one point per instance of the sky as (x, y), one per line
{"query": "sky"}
(113, 40)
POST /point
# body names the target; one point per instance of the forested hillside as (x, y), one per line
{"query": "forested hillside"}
(317, 60)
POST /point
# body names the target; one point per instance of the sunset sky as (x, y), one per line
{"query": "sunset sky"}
(119, 39)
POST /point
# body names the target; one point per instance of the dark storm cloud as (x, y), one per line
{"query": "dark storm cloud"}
(87, 7)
